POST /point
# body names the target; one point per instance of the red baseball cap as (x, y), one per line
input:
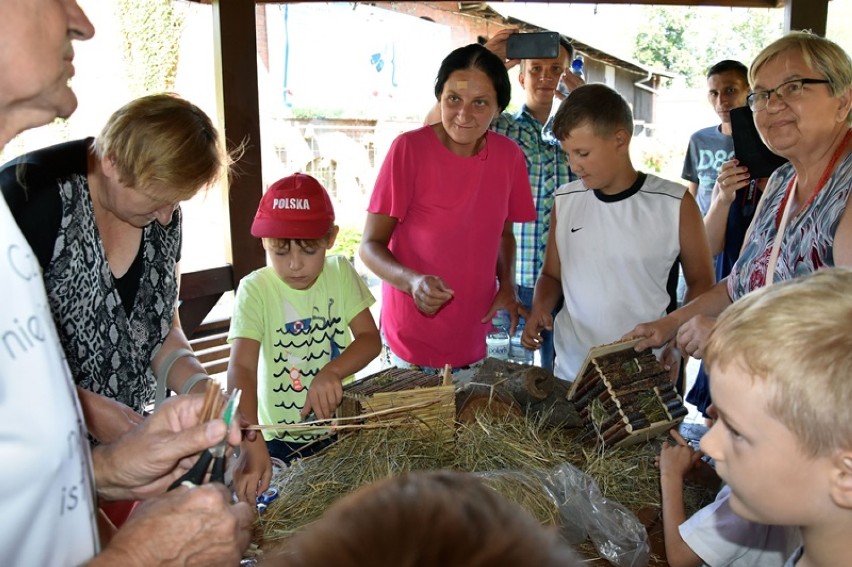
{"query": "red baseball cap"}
(296, 206)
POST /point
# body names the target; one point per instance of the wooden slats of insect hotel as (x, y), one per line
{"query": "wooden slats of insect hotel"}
(625, 395)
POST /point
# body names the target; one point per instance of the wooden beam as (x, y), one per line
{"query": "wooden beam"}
(199, 293)
(235, 52)
(806, 15)
(722, 3)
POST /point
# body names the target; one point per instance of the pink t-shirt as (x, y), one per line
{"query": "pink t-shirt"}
(450, 212)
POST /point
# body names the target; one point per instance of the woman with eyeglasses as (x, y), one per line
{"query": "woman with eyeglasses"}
(802, 106)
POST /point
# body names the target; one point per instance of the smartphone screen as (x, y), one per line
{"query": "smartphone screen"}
(749, 149)
(532, 45)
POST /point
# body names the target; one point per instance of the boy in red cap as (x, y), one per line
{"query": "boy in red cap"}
(291, 347)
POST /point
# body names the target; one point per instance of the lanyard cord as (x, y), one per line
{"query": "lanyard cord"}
(786, 205)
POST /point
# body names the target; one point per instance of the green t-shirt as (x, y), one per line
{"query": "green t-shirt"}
(299, 332)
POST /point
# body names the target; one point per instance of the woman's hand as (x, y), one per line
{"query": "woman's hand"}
(507, 299)
(430, 293)
(692, 335)
(106, 419)
(655, 333)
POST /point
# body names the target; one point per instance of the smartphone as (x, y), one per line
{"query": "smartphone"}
(749, 149)
(532, 45)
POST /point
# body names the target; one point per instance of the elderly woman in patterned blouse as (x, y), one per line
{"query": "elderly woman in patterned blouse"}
(102, 217)
(802, 105)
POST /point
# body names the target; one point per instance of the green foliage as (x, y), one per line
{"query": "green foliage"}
(152, 31)
(688, 41)
(348, 240)
(663, 40)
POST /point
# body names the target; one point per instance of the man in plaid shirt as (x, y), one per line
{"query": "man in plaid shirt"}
(547, 164)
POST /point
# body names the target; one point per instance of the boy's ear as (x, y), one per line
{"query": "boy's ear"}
(622, 137)
(841, 480)
(332, 237)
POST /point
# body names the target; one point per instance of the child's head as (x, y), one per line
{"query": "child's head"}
(295, 219)
(594, 126)
(445, 518)
(780, 362)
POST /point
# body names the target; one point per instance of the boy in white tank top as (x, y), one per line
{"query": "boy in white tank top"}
(616, 234)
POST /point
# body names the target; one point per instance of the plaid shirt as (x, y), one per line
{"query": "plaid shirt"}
(548, 169)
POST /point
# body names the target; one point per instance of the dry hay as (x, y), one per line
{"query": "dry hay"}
(519, 449)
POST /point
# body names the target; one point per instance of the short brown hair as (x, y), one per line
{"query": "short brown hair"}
(445, 518)
(595, 104)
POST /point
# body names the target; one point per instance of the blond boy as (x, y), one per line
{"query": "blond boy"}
(781, 359)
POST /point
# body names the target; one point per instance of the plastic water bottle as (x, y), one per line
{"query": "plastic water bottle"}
(517, 353)
(577, 67)
(497, 340)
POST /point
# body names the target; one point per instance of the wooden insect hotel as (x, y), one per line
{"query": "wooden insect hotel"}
(625, 397)
(396, 395)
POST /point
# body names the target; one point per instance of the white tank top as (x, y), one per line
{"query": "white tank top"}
(616, 252)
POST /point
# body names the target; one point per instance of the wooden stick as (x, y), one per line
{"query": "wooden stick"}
(334, 420)
(310, 426)
(448, 375)
(209, 407)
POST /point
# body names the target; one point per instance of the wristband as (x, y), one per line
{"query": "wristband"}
(163, 374)
(193, 380)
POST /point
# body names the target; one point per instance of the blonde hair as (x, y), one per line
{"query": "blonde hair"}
(164, 146)
(797, 338)
(820, 54)
(445, 518)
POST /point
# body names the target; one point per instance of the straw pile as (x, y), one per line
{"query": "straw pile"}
(523, 447)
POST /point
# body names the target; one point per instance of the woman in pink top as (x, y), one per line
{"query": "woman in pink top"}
(439, 228)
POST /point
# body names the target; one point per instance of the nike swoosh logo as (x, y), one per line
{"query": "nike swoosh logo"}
(576, 229)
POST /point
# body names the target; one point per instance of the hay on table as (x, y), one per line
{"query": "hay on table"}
(489, 444)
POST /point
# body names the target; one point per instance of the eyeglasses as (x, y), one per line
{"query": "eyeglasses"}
(788, 91)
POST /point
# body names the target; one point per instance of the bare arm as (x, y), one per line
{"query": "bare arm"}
(660, 332)
(843, 240)
(507, 294)
(185, 366)
(694, 250)
(254, 469)
(675, 461)
(326, 390)
(692, 187)
(429, 292)
(548, 290)
(731, 178)
(106, 419)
